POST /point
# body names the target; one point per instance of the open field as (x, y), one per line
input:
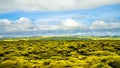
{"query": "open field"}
(60, 54)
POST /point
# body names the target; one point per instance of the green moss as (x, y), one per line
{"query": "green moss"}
(115, 63)
(60, 54)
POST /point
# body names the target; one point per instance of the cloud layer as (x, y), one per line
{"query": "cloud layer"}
(25, 24)
(26, 27)
(54, 5)
(21, 24)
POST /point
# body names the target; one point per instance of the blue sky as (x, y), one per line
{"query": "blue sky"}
(69, 17)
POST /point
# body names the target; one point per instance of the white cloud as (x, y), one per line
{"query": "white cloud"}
(115, 25)
(44, 24)
(47, 27)
(104, 25)
(54, 5)
(4, 22)
(21, 24)
(71, 24)
(24, 23)
(99, 25)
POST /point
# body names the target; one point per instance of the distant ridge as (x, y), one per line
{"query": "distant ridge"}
(75, 37)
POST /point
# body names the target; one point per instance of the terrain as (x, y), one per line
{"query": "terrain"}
(60, 54)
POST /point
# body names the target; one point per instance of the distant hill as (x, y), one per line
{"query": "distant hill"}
(63, 38)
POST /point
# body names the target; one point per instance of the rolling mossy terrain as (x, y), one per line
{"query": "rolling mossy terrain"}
(60, 54)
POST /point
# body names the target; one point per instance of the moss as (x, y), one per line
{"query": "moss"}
(101, 65)
(9, 64)
(115, 63)
(60, 54)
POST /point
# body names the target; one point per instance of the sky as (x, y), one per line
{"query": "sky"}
(59, 17)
